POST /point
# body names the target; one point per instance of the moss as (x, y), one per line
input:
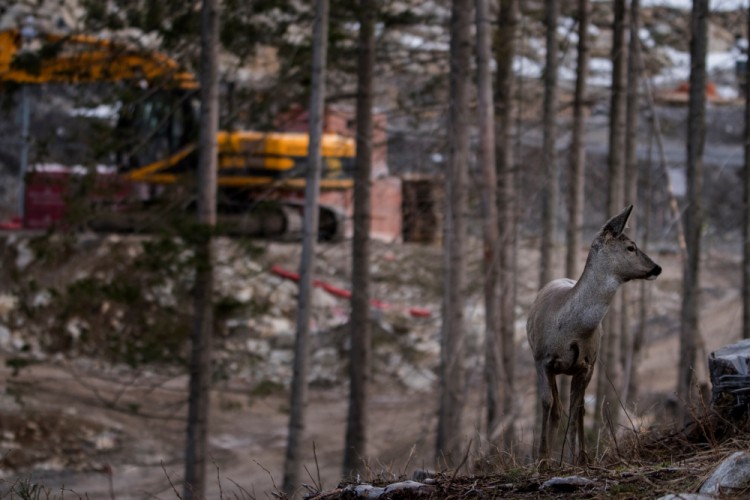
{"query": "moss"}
(267, 388)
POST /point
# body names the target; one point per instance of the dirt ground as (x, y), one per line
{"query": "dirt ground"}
(85, 429)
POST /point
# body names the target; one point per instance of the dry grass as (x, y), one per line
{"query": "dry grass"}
(645, 465)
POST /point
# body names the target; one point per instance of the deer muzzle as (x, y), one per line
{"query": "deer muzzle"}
(654, 272)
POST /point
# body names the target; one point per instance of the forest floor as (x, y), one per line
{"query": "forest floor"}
(78, 428)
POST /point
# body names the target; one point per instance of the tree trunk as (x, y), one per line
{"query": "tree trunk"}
(355, 458)
(490, 226)
(200, 356)
(631, 383)
(663, 165)
(746, 203)
(505, 50)
(449, 443)
(549, 157)
(577, 167)
(298, 402)
(689, 333)
(550, 184)
(627, 363)
(577, 150)
(608, 382)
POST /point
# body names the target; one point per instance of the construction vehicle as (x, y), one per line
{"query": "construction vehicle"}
(255, 169)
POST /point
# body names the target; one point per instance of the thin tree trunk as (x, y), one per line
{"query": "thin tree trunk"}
(577, 166)
(631, 383)
(746, 203)
(298, 402)
(549, 155)
(609, 375)
(689, 332)
(577, 150)
(355, 458)
(631, 182)
(490, 227)
(505, 50)
(659, 137)
(449, 443)
(550, 184)
(200, 357)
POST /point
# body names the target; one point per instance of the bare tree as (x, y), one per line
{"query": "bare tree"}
(298, 402)
(608, 379)
(577, 151)
(689, 332)
(632, 107)
(746, 204)
(577, 164)
(490, 227)
(505, 49)
(631, 385)
(200, 357)
(359, 324)
(549, 156)
(452, 347)
(550, 184)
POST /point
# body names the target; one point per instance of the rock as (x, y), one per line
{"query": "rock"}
(391, 491)
(276, 327)
(324, 300)
(367, 491)
(258, 347)
(244, 295)
(281, 357)
(74, 328)
(278, 368)
(7, 304)
(567, 483)
(41, 299)
(406, 485)
(687, 496)
(423, 475)
(24, 255)
(325, 367)
(283, 295)
(417, 379)
(731, 476)
(429, 348)
(729, 368)
(284, 340)
(6, 338)
(105, 441)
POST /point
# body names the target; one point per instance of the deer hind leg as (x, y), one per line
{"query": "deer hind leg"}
(547, 390)
(577, 410)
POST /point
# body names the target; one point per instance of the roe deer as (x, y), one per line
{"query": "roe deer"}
(564, 326)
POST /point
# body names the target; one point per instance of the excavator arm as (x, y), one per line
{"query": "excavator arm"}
(79, 59)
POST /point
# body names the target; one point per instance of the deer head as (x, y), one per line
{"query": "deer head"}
(618, 254)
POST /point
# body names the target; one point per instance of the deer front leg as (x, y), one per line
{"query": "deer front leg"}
(545, 398)
(547, 390)
(577, 410)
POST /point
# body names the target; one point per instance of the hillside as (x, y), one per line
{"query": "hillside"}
(126, 417)
(674, 465)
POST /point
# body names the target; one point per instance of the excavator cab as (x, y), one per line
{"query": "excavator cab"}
(158, 136)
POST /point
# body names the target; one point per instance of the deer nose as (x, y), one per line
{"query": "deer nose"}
(656, 271)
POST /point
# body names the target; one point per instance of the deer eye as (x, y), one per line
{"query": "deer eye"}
(631, 248)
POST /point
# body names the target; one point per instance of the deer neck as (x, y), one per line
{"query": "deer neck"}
(592, 295)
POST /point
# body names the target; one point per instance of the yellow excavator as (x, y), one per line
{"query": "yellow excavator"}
(163, 131)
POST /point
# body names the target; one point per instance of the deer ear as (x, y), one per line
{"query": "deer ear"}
(617, 224)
